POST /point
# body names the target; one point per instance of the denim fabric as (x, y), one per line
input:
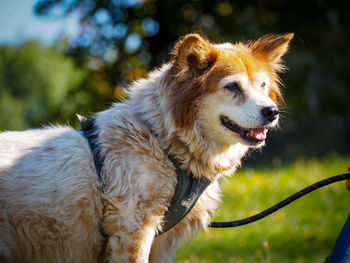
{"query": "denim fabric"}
(341, 250)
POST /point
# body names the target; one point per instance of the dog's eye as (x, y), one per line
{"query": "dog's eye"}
(263, 85)
(234, 87)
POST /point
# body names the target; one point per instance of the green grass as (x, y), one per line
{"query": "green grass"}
(304, 231)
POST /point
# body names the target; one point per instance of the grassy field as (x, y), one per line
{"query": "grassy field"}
(304, 231)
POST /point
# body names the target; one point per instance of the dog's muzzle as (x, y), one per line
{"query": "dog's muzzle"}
(269, 114)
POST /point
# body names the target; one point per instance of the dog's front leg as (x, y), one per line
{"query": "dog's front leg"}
(164, 247)
(131, 225)
(135, 201)
(130, 247)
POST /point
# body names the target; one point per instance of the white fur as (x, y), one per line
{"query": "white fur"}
(248, 114)
(54, 209)
(51, 200)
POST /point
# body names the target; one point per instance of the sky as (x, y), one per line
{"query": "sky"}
(18, 23)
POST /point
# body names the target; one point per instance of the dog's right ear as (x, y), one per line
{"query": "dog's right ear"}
(272, 48)
(194, 54)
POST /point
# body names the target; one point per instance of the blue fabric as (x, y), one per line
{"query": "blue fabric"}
(341, 250)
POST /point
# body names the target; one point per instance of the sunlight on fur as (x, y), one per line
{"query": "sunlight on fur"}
(207, 106)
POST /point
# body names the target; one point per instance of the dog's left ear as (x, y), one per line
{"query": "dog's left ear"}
(193, 53)
(272, 48)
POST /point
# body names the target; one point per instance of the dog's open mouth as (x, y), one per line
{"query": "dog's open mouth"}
(253, 136)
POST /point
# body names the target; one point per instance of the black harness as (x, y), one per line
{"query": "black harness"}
(188, 188)
(88, 128)
(187, 192)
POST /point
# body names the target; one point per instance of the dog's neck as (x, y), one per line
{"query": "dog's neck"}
(199, 155)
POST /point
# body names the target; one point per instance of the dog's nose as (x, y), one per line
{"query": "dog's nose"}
(270, 113)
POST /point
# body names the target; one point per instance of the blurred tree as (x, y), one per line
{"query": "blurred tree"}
(124, 38)
(121, 39)
(35, 81)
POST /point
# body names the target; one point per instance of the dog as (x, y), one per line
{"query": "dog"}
(206, 107)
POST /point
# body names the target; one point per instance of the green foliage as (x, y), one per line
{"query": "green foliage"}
(305, 231)
(34, 83)
(121, 40)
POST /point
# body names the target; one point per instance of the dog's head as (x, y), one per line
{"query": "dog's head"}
(229, 91)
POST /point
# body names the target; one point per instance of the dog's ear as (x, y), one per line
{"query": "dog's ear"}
(272, 48)
(193, 53)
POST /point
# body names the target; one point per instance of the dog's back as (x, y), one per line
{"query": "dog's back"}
(206, 108)
(49, 196)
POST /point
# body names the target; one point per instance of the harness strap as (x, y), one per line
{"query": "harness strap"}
(88, 128)
(188, 188)
(89, 131)
(187, 192)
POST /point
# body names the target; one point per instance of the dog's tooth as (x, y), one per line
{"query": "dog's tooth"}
(264, 131)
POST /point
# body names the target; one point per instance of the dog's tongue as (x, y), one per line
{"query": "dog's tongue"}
(259, 134)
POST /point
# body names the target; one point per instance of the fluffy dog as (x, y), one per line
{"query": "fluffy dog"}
(206, 107)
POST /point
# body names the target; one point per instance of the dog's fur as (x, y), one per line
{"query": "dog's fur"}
(52, 208)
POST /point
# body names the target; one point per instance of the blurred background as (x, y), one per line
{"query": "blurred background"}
(61, 57)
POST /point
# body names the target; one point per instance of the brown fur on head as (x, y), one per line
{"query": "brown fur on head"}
(193, 54)
(192, 58)
(271, 48)
(198, 66)
(206, 107)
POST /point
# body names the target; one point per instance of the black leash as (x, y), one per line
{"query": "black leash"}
(283, 203)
